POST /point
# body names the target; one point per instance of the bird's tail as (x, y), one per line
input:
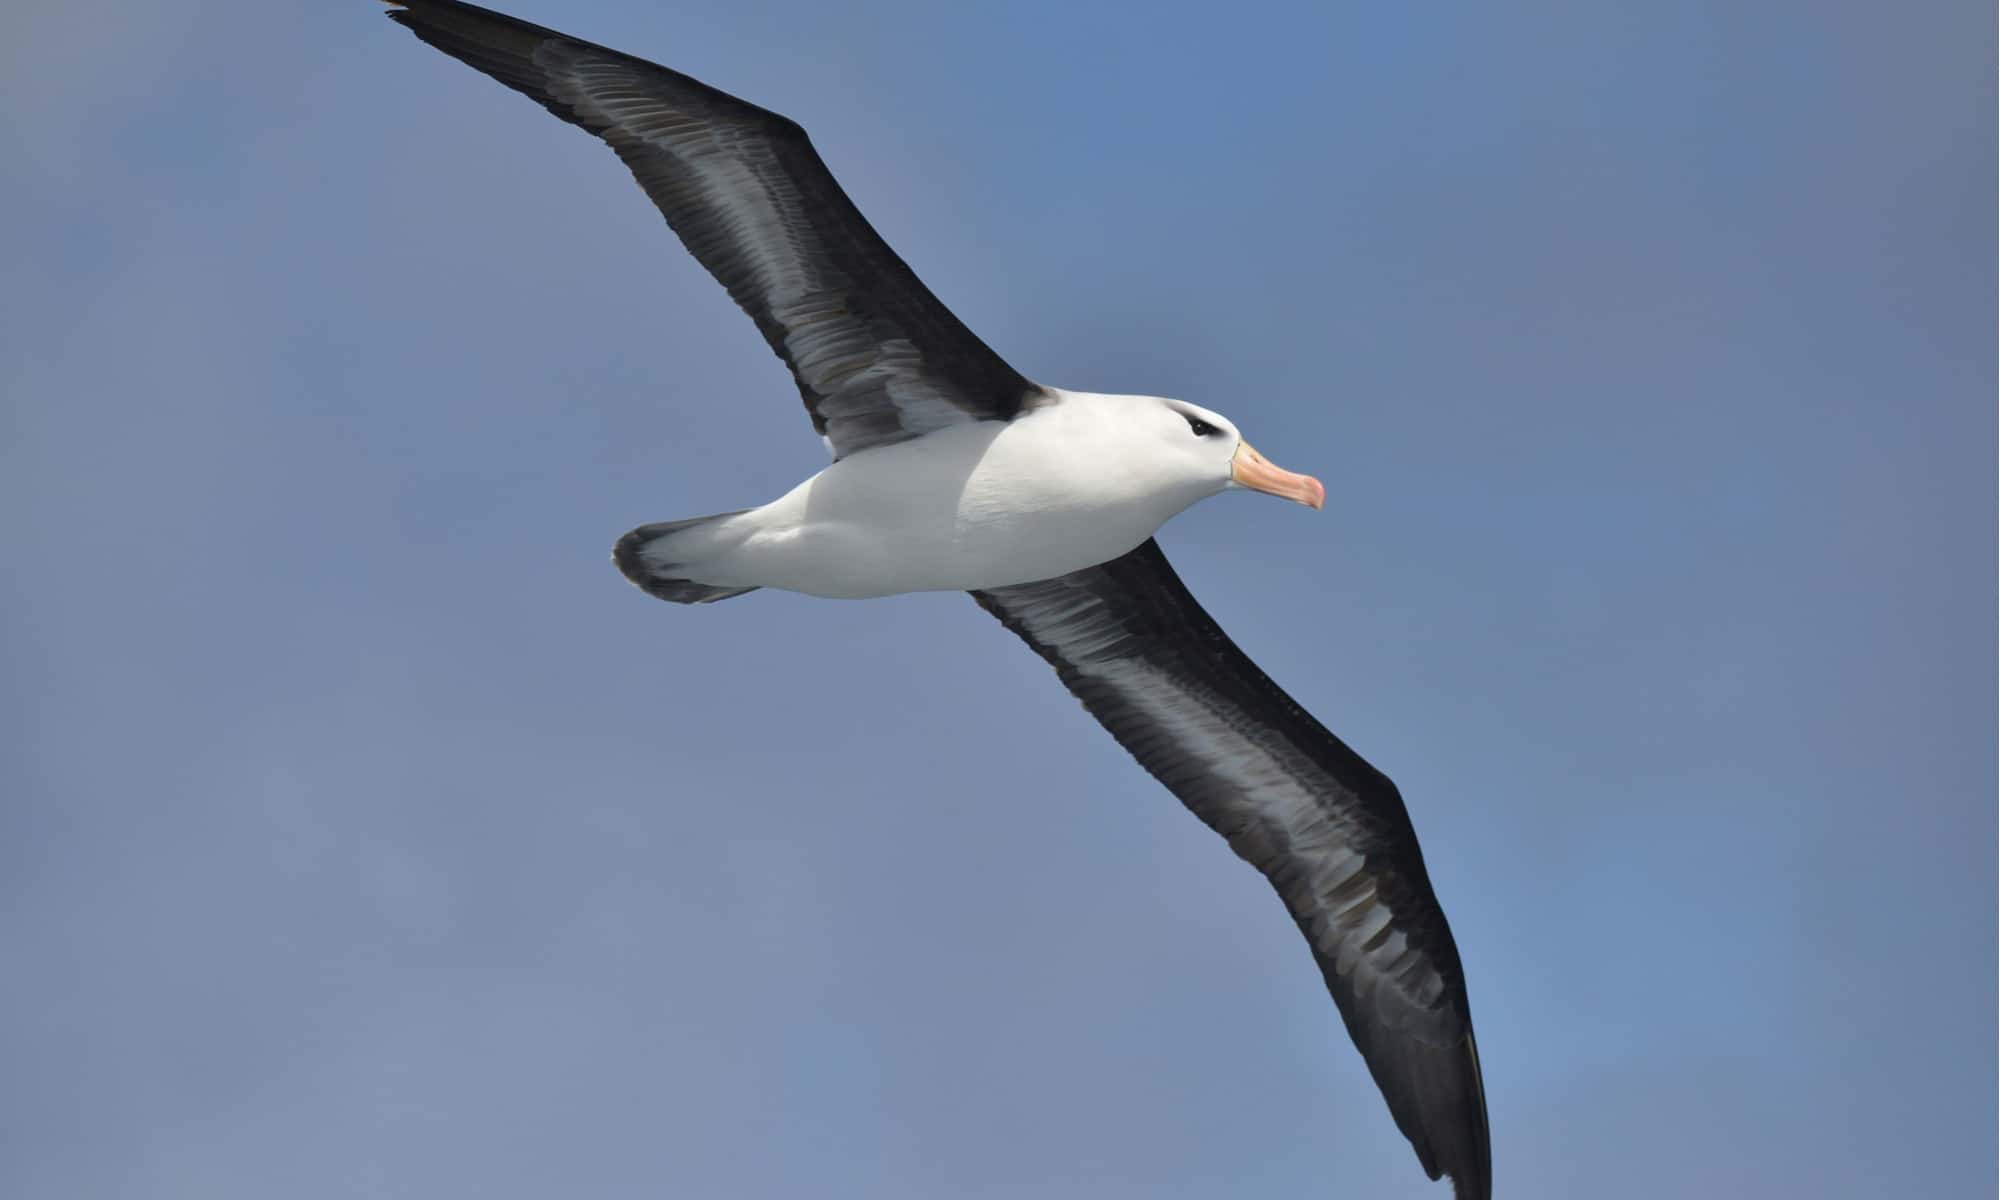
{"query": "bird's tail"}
(661, 558)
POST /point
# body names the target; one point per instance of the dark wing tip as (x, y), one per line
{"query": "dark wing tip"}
(1435, 1091)
(1443, 1112)
(470, 23)
(505, 47)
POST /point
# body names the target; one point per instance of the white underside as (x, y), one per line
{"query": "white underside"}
(979, 505)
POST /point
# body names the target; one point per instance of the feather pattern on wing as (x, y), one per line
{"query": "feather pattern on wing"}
(1328, 830)
(877, 357)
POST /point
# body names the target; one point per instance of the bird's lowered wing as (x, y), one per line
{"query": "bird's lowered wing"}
(1329, 831)
(878, 359)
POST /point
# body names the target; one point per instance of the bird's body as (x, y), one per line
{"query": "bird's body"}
(954, 472)
(979, 505)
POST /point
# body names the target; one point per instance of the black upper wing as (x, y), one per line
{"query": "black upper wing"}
(877, 357)
(1329, 831)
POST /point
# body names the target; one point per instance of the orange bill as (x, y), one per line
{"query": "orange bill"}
(1252, 470)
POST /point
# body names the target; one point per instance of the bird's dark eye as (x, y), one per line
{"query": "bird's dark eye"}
(1201, 428)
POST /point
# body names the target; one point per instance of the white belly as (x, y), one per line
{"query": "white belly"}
(974, 506)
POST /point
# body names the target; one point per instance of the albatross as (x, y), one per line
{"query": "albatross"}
(952, 471)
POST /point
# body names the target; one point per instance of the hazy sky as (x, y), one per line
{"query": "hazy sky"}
(362, 833)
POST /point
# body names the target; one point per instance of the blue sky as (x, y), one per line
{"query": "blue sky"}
(362, 833)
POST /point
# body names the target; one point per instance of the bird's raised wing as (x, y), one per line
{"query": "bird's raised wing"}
(877, 357)
(1328, 830)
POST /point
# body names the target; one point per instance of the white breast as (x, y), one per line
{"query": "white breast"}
(973, 506)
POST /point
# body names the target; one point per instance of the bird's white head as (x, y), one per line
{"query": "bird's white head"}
(1202, 449)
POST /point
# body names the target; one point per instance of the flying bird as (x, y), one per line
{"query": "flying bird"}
(952, 471)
